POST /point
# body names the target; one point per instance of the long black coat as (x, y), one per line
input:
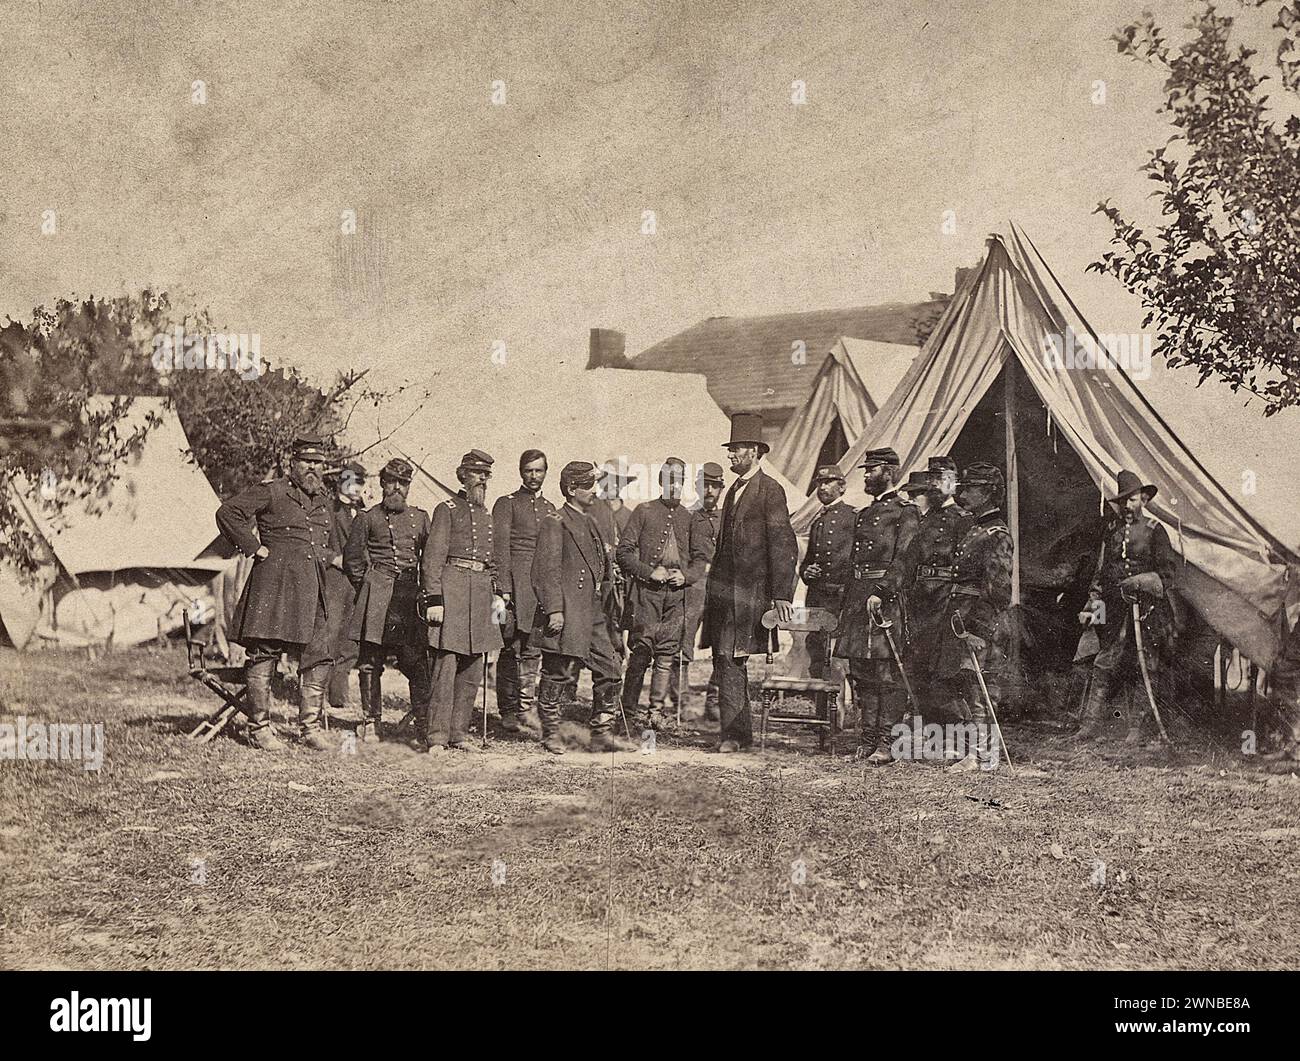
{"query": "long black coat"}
(382, 558)
(753, 565)
(281, 596)
(573, 574)
(515, 519)
(461, 530)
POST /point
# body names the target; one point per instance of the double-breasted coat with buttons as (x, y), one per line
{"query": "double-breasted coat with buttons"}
(285, 592)
(882, 540)
(980, 593)
(753, 565)
(572, 574)
(382, 560)
(830, 547)
(1135, 548)
(515, 519)
(458, 571)
(934, 550)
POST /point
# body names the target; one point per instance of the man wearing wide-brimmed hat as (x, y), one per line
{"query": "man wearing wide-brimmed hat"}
(1137, 563)
(285, 526)
(382, 559)
(943, 525)
(980, 593)
(753, 570)
(609, 511)
(827, 565)
(461, 604)
(872, 614)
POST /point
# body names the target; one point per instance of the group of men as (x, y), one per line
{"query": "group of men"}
(918, 582)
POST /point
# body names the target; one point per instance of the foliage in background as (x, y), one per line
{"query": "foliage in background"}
(1220, 276)
(240, 424)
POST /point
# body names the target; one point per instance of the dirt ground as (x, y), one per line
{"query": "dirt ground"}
(181, 855)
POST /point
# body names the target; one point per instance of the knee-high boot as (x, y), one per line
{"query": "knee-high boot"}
(550, 697)
(257, 678)
(311, 691)
(1093, 720)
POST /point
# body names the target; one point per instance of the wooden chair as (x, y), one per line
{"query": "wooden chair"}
(226, 682)
(823, 692)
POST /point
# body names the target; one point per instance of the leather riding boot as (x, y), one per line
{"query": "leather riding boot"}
(889, 707)
(1136, 709)
(550, 696)
(369, 682)
(1093, 721)
(660, 677)
(638, 661)
(508, 698)
(604, 703)
(311, 684)
(529, 724)
(257, 677)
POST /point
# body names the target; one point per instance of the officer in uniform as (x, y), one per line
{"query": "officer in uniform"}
(609, 511)
(1136, 563)
(827, 564)
(515, 518)
(573, 578)
(285, 526)
(461, 604)
(943, 524)
(708, 520)
(661, 553)
(980, 594)
(382, 560)
(340, 593)
(882, 538)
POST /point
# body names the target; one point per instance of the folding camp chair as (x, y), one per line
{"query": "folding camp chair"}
(823, 692)
(226, 682)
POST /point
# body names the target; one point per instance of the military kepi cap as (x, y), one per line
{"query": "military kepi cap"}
(397, 469)
(311, 448)
(982, 475)
(577, 473)
(476, 461)
(874, 457)
(942, 464)
(828, 473)
(712, 473)
(1130, 484)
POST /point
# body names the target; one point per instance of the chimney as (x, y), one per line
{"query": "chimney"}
(606, 349)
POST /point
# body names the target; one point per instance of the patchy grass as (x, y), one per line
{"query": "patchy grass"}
(177, 855)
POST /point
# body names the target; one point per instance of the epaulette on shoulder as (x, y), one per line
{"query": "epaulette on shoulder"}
(997, 528)
(1152, 522)
(449, 504)
(553, 514)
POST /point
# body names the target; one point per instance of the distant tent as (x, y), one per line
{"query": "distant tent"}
(991, 363)
(121, 569)
(636, 417)
(842, 403)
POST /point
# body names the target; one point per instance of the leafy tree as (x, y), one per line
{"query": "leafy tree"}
(1220, 278)
(240, 415)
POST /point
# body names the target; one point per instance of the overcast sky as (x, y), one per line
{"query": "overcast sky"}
(523, 222)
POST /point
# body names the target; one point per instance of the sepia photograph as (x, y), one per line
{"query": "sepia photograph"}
(697, 487)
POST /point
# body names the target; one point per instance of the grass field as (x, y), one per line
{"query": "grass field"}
(178, 855)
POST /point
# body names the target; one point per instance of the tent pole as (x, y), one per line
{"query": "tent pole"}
(1013, 512)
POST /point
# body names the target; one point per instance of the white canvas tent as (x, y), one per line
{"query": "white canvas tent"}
(638, 418)
(841, 405)
(993, 348)
(121, 569)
